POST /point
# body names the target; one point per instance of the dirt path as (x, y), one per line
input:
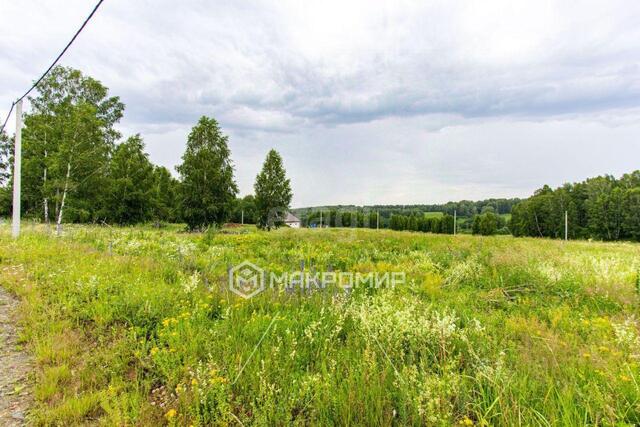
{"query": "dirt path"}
(14, 367)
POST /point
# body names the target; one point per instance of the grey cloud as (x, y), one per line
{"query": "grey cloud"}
(425, 101)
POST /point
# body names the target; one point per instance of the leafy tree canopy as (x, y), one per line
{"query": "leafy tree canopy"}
(208, 186)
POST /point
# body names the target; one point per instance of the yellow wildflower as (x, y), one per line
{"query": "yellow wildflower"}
(466, 421)
(219, 380)
(171, 413)
(194, 382)
(154, 350)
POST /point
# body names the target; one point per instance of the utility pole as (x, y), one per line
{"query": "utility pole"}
(17, 171)
(242, 217)
(321, 219)
(566, 225)
(378, 220)
(455, 221)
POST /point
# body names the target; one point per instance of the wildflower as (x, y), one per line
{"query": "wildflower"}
(625, 378)
(219, 380)
(586, 355)
(603, 349)
(190, 285)
(466, 421)
(154, 350)
(194, 382)
(171, 413)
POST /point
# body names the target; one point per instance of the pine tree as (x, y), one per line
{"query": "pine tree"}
(273, 192)
(208, 189)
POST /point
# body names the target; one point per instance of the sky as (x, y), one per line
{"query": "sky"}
(402, 102)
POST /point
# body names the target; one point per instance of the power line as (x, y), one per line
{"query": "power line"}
(86, 21)
(7, 119)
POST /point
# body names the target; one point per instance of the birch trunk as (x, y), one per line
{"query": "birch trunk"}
(64, 196)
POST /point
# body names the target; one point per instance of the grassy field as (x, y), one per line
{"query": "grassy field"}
(433, 214)
(138, 326)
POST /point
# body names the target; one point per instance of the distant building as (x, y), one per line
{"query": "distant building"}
(292, 221)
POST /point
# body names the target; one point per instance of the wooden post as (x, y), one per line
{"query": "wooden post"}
(566, 225)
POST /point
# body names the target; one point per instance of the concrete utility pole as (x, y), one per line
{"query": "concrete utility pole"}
(566, 225)
(455, 222)
(320, 219)
(17, 172)
(242, 217)
(378, 220)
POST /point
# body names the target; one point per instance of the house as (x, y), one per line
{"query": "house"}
(291, 220)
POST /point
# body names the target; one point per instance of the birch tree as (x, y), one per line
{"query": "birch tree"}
(131, 197)
(273, 192)
(208, 189)
(5, 150)
(5, 173)
(68, 139)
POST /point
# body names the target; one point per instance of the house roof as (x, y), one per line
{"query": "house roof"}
(291, 218)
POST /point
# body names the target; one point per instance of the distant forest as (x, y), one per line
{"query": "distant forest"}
(602, 208)
(437, 218)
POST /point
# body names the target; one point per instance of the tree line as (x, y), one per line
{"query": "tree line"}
(463, 208)
(77, 168)
(372, 219)
(603, 208)
(429, 224)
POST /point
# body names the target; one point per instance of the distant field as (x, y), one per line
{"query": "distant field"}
(433, 214)
(138, 326)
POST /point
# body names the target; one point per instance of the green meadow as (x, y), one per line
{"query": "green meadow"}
(137, 326)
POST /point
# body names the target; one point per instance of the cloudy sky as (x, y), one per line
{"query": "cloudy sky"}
(368, 102)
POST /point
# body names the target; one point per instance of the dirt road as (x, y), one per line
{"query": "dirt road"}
(14, 367)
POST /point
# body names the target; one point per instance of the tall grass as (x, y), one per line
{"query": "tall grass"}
(137, 326)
